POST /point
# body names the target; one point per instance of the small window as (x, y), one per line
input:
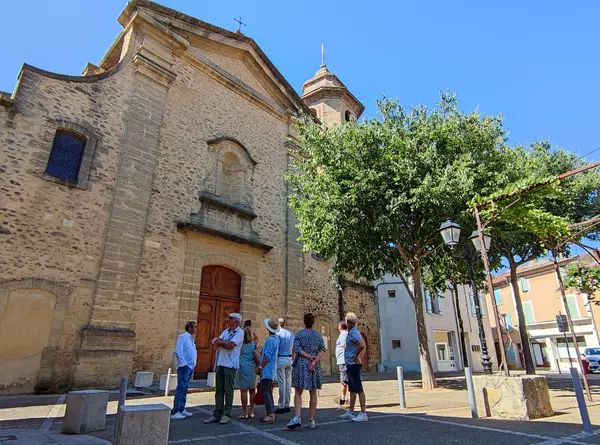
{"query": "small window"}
(392, 293)
(524, 284)
(348, 116)
(65, 156)
(507, 322)
(396, 344)
(498, 296)
(314, 112)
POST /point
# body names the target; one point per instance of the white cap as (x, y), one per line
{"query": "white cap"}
(236, 315)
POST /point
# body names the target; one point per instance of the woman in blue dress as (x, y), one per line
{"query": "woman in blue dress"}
(245, 378)
(309, 349)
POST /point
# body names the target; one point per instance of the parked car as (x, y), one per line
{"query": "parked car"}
(592, 355)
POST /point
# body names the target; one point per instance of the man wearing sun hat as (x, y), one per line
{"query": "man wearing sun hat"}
(227, 362)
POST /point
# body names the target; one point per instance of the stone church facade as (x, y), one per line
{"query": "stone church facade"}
(150, 191)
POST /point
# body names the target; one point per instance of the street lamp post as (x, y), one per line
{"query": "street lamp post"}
(450, 232)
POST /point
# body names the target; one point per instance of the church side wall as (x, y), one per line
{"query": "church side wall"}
(51, 235)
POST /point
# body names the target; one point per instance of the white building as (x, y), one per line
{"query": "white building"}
(398, 328)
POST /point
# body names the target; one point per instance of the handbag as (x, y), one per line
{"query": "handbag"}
(258, 397)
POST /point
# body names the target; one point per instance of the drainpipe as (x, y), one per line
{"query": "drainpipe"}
(340, 291)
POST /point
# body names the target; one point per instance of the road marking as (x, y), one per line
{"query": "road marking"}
(53, 414)
(568, 439)
(219, 436)
(254, 430)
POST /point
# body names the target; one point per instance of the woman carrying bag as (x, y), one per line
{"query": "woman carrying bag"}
(268, 367)
(246, 374)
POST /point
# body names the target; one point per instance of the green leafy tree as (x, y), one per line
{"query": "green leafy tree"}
(528, 226)
(372, 195)
(583, 277)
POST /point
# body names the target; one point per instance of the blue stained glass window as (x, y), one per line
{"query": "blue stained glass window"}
(66, 155)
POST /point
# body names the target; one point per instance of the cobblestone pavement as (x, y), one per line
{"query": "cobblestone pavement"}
(432, 417)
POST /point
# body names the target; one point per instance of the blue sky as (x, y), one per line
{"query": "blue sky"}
(536, 62)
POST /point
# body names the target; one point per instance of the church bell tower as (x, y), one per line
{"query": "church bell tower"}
(329, 99)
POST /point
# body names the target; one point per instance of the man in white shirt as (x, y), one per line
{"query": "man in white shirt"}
(340, 349)
(284, 367)
(227, 363)
(185, 352)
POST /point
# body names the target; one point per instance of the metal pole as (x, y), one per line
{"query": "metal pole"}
(471, 389)
(490, 286)
(122, 392)
(585, 417)
(561, 287)
(168, 382)
(568, 352)
(400, 373)
(558, 366)
(122, 397)
(485, 357)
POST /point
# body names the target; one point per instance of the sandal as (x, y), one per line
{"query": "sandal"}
(243, 417)
(267, 420)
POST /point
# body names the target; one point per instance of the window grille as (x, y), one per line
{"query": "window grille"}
(65, 157)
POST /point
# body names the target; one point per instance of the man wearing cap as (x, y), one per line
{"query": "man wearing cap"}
(227, 362)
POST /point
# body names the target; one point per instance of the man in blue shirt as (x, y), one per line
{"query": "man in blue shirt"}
(284, 367)
(268, 367)
(355, 347)
(185, 351)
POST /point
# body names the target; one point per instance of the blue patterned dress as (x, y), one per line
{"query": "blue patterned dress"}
(311, 342)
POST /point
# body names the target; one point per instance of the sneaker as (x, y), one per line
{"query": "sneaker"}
(212, 419)
(296, 422)
(342, 401)
(311, 425)
(177, 416)
(224, 420)
(186, 413)
(280, 411)
(360, 417)
(349, 415)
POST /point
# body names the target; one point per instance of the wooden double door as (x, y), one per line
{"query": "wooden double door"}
(219, 296)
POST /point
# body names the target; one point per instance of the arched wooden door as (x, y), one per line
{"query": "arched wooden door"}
(219, 296)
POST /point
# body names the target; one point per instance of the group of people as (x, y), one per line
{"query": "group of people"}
(288, 359)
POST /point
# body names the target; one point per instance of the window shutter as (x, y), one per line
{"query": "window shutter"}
(440, 300)
(482, 306)
(528, 312)
(498, 296)
(573, 309)
(427, 301)
(524, 284)
(472, 302)
(509, 325)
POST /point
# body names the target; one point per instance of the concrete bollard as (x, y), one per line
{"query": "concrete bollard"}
(143, 424)
(143, 379)
(400, 373)
(471, 389)
(86, 412)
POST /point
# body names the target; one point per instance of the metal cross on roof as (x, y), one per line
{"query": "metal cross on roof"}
(240, 23)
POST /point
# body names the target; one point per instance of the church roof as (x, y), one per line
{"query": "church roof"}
(207, 27)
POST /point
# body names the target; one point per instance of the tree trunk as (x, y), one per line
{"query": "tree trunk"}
(514, 280)
(427, 375)
(461, 331)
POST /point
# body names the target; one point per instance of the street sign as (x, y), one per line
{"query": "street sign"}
(561, 321)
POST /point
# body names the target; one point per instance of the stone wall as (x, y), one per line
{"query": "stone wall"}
(52, 234)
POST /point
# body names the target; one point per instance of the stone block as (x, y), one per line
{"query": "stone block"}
(211, 379)
(86, 411)
(172, 383)
(143, 424)
(143, 379)
(517, 397)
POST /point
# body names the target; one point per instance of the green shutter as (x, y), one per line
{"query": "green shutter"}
(573, 309)
(528, 312)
